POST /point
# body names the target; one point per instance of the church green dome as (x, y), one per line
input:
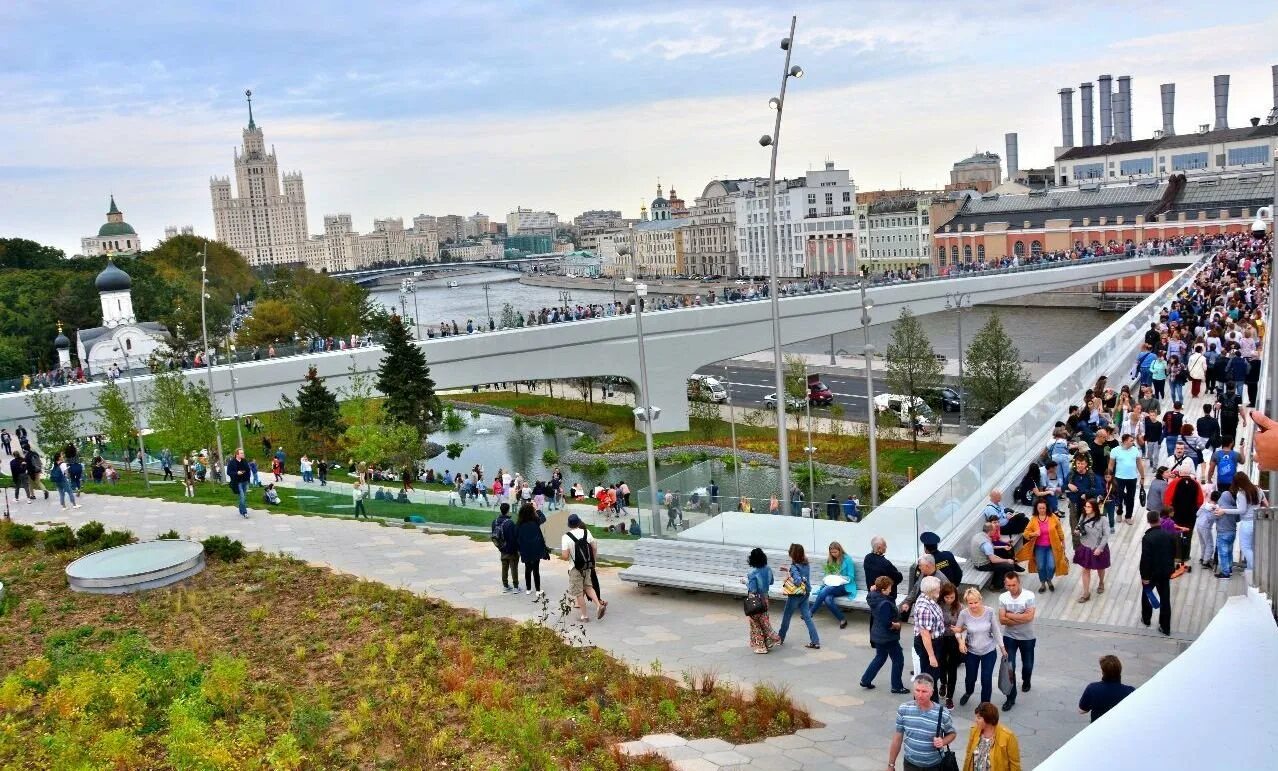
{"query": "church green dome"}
(117, 229)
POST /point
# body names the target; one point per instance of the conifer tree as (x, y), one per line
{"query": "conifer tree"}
(318, 414)
(405, 380)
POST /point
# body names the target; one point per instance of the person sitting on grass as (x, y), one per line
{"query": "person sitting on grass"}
(270, 495)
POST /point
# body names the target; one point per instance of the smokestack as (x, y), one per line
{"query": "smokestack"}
(1123, 115)
(1106, 109)
(1013, 161)
(1116, 116)
(1275, 78)
(1067, 117)
(1085, 91)
(1221, 86)
(1169, 108)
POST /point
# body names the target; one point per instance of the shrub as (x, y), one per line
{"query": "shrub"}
(223, 548)
(19, 536)
(518, 420)
(90, 532)
(548, 426)
(113, 538)
(549, 456)
(454, 450)
(585, 443)
(172, 535)
(58, 538)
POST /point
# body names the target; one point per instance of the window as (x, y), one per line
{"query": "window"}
(967, 252)
(1089, 170)
(128, 344)
(1189, 161)
(847, 197)
(1136, 166)
(1255, 154)
(812, 211)
(980, 251)
(829, 199)
(1018, 249)
(1036, 249)
(811, 197)
(954, 254)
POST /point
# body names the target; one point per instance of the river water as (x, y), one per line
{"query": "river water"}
(1046, 335)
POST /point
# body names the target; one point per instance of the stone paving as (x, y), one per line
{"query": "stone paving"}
(681, 632)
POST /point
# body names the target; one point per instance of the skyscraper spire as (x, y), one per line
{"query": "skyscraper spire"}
(113, 209)
(249, 96)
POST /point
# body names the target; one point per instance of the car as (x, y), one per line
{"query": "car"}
(791, 402)
(947, 398)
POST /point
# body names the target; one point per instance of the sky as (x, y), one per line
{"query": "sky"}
(397, 109)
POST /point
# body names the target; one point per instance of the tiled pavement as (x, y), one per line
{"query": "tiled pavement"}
(684, 632)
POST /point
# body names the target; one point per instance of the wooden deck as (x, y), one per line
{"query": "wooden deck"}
(1196, 596)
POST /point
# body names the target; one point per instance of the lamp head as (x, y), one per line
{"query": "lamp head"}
(774, 103)
(785, 44)
(869, 304)
(765, 140)
(796, 71)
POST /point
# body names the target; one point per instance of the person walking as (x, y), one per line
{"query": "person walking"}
(1247, 498)
(1100, 697)
(1092, 552)
(947, 644)
(21, 478)
(166, 463)
(531, 544)
(306, 468)
(321, 470)
(758, 583)
(1082, 483)
(1127, 464)
(877, 564)
(885, 635)
(578, 547)
(60, 475)
(237, 474)
(798, 588)
(35, 471)
(6, 441)
(929, 625)
(980, 640)
(1157, 561)
(924, 728)
(1016, 613)
(1044, 547)
(359, 491)
(838, 567)
(991, 746)
(503, 537)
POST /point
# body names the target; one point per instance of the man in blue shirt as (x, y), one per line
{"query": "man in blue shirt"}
(1099, 698)
(851, 509)
(1144, 360)
(1224, 464)
(916, 722)
(1127, 464)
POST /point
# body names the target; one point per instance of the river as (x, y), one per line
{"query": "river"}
(1045, 335)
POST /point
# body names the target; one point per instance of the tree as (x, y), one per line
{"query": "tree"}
(271, 322)
(796, 383)
(405, 380)
(57, 424)
(994, 374)
(319, 416)
(507, 319)
(396, 443)
(913, 371)
(116, 417)
(182, 412)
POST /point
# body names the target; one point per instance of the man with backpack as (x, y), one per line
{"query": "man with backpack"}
(503, 535)
(579, 548)
(35, 469)
(1224, 464)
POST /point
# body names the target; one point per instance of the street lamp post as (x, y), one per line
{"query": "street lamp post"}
(867, 305)
(488, 306)
(778, 103)
(641, 291)
(235, 400)
(732, 422)
(208, 362)
(410, 286)
(958, 301)
(137, 416)
(810, 449)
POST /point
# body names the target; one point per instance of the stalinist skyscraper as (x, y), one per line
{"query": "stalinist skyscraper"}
(266, 226)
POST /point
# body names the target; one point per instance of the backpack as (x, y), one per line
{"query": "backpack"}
(581, 557)
(56, 474)
(498, 535)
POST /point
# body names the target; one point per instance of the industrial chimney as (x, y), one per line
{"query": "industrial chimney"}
(1275, 78)
(1221, 87)
(1067, 117)
(1123, 116)
(1106, 109)
(1169, 108)
(1013, 166)
(1085, 91)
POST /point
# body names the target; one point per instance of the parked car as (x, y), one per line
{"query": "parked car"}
(947, 398)
(706, 388)
(791, 402)
(900, 406)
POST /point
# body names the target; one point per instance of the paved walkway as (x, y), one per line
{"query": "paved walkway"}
(683, 632)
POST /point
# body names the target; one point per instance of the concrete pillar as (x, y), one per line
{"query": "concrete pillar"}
(669, 394)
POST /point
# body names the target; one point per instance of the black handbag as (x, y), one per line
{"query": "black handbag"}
(755, 604)
(1142, 494)
(949, 762)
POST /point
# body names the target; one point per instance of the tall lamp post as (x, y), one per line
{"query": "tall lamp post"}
(958, 301)
(810, 449)
(777, 103)
(867, 305)
(137, 416)
(208, 361)
(647, 413)
(409, 286)
(488, 306)
(732, 422)
(235, 399)
(1271, 333)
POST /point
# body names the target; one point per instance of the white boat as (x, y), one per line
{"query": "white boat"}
(452, 284)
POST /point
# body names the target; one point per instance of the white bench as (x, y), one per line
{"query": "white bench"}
(719, 568)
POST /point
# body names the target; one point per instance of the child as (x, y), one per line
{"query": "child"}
(1166, 522)
(1204, 523)
(272, 497)
(1110, 500)
(357, 496)
(277, 468)
(188, 479)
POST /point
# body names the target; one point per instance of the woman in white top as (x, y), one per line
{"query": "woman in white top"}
(980, 641)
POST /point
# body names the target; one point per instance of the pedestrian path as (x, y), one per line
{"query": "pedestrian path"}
(678, 631)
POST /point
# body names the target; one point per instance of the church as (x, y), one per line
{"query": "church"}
(114, 237)
(121, 334)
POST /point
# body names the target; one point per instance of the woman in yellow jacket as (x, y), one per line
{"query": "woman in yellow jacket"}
(1044, 546)
(990, 746)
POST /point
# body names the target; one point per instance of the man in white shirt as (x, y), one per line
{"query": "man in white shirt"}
(578, 547)
(1016, 612)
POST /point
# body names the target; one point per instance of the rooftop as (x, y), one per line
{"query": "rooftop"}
(1263, 131)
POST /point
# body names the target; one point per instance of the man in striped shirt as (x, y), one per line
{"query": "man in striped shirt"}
(916, 729)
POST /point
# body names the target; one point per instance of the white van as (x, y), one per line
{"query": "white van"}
(706, 388)
(899, 405)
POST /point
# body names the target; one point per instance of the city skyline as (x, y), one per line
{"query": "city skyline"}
(151, 118)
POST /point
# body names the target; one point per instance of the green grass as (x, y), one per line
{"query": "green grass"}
(312, 501)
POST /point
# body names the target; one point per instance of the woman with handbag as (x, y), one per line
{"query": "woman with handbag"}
(1092, 553)
(797, 589)
(758, 582)
(990, 745)
(1044, 546)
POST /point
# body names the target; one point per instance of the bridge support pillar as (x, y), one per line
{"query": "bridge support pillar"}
(670, 395)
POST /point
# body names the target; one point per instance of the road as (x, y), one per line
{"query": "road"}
(751, 384)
